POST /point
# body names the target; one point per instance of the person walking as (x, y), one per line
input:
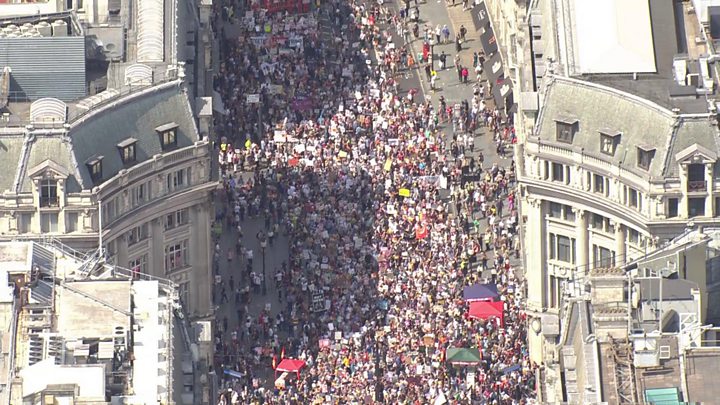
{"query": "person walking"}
(428, 71)
(443, 60)
(458, 43)
(446, 34)
(463, 32)
(459, 72)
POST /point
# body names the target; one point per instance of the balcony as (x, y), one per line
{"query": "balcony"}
(697, 185)
(48, 202)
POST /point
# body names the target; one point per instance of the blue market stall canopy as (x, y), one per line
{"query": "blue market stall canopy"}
(480, 292)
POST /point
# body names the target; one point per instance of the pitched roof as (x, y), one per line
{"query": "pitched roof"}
(692, 131)
(598, 108)
(136, 117)
(10, 153)
(55, 149)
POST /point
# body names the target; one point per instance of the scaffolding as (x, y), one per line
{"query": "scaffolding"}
(624, 371)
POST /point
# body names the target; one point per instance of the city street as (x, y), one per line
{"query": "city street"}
(448, 86)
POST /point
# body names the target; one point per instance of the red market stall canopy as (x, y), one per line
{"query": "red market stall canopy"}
(290, 366)
(480, 292)
(487, 310)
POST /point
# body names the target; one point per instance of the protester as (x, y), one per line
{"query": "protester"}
(387, 223)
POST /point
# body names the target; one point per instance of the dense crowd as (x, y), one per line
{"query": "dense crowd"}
(387, 220)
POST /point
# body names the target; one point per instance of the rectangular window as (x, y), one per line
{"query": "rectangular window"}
(140, 195)
(633, 236)
(71, 222)
(568, 213)
(555, 210)
(110, 211)
(558, 172)
(696, 178)
(176, 219)
(633, 198)
(562, 248)
(24, 222)
(600, 223)
(598, 184)
(565, 131)
(48, 193)
(603, 257)
(138, 265)
(94, 166)
(138, 234)
(49, 222)
(608, 143)
(178, 179)
(672, 207)
(127, 150)
(696, 207)
(644, 157)
(168, 135)
(176, 256)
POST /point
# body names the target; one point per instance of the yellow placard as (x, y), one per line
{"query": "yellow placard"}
(342, 154)
(388, 165)
(404, 192)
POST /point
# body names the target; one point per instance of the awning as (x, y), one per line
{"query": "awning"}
(488, 40)
(463, 356)
(487, 310)
(232, 373)
(480, 292)
(290, 366)
(481, 17)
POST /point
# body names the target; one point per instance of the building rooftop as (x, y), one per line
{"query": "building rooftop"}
(93, 309)
(100, 134)
(652, 49)
(633, 121)
(626, 44)
(83, 339)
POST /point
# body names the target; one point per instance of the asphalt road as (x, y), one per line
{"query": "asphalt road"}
(276, 254)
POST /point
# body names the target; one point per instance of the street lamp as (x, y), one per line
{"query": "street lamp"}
(263, 245)
(432, 53)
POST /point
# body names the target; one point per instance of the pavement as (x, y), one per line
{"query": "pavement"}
(454, 92)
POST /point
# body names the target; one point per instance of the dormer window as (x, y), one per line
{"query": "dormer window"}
(609, 141)
(94, 166)
(127, 150)
(566, 129)
(645, 156)
(48, 193)
(168, 135)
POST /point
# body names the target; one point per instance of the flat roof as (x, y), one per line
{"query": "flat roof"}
(92, 309)
(613, 36)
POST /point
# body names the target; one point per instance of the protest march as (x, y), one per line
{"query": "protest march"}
(403, 283)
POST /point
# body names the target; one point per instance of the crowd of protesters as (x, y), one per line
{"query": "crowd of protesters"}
(387, 221)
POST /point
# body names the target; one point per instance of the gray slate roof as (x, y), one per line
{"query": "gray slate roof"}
(10, 152)
(600, 109)
(691, 131)
(50, 148)
(135, 118)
